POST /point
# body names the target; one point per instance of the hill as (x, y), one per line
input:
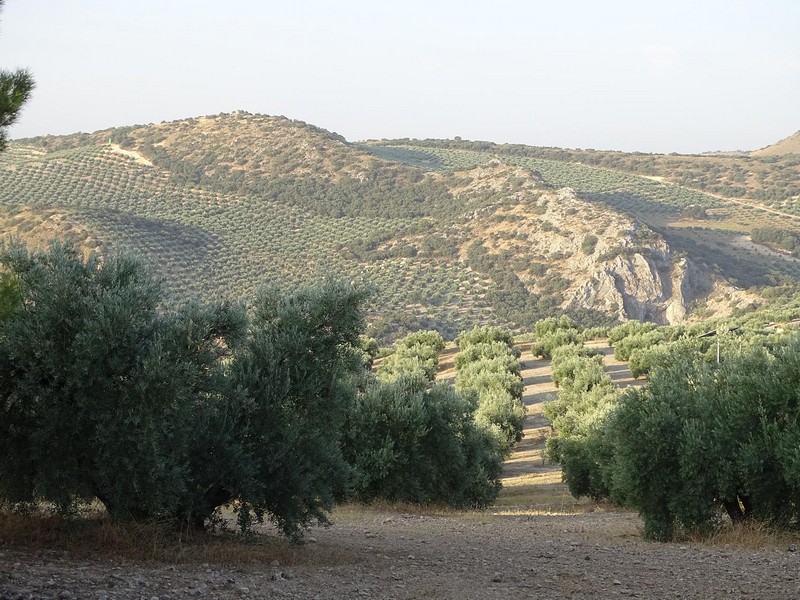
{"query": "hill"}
(450, 233)
(789, 145)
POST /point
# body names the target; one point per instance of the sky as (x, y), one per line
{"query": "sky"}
(645, 75)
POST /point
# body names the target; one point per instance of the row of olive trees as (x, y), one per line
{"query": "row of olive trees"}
(552, 332)
(702, 440)
(416, 354)
(586, 396)
(488, 366)
(414, 440)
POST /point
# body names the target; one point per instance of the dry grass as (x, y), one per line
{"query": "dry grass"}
(540, 493)
(95, 536)
(354, 512)
(746, 536)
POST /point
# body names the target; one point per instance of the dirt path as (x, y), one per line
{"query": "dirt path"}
(528, 457)
(394, 555)
(131, 154)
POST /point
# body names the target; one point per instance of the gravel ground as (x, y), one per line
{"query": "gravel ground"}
(394, 555)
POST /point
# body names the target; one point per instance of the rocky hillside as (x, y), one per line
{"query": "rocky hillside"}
(593, 257)
(450, 234)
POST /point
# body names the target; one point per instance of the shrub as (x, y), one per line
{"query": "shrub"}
(484, 335)
(579, 373)
(488, 351)
(704, 438)
(593, 333)
(626, 329)
(638, 341)
(503, 415)
(644, 360)
(488, 366)
(486, 374)
(422, 360)
(369, 351)
(299, 371)
(10, 298)
(775, 237)
(431, 339)
(547, 343)
(579, 441)
(578, 418)
(553, 324)
(416, 445)
(589, 243)
(694, 211)
(417, 353)
(98, 389)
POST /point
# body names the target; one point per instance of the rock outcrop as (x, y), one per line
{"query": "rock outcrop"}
(657, 287)
(598, 258)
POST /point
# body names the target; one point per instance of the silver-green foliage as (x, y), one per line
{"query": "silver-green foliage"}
(413, 443)
(701, 440)
(578, 417)
(94, 396)
(624, 348)
(485, 334)
(171, 414)
(299, 368)
(416, 354)
(552, 333)
(488, 365)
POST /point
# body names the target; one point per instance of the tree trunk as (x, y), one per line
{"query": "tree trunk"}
(734, 510)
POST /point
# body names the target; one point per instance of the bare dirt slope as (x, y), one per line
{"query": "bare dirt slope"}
(789, 145)
(537, 542)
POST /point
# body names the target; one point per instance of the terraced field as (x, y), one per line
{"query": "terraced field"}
(214, 244)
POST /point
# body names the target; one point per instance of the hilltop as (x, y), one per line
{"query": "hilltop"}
(789, 145)
(450, 233)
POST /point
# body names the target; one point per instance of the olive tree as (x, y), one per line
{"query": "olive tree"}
(488, 366)
(93, 402)
(706, 439)
(414, 443)
(299, 371)
(169, 414)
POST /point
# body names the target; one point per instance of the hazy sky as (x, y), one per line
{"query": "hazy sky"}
(673, 75)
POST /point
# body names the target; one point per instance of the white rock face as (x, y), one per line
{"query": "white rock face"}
(644, 282)
(643, 288)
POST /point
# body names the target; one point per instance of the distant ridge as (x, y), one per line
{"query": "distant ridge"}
(789, 145)
(449, 233)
